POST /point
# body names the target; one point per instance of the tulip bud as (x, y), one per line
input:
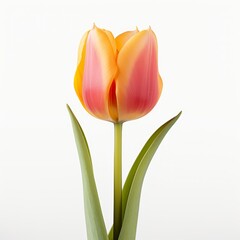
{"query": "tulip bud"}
(117, 79)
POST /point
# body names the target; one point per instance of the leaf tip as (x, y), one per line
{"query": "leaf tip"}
(69, 109)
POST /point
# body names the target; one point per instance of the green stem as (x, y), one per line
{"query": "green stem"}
(117, 222)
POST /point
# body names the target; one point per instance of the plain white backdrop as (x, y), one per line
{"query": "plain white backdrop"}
(192, 188)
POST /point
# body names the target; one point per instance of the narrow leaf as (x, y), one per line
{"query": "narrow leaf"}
(110, 234)
(96, 229)
(133, 185)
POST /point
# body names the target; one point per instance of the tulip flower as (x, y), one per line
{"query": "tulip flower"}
(117, 79)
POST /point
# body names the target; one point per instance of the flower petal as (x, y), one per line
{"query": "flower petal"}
(80, 68)
(138, 85)
(99, 72)
(112, 40)
(124, 37)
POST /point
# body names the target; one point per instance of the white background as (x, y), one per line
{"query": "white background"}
(192, 188)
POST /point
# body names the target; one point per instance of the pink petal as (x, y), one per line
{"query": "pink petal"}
(99, 72)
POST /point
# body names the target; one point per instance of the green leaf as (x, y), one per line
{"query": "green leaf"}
(133, 185)
(110, 234)
(96, 229)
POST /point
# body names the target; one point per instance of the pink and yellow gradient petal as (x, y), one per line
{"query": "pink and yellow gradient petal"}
(99, 71)
(138, 85)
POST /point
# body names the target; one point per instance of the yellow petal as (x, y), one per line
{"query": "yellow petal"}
(124, 37)
(80, 67)
(111, 40)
